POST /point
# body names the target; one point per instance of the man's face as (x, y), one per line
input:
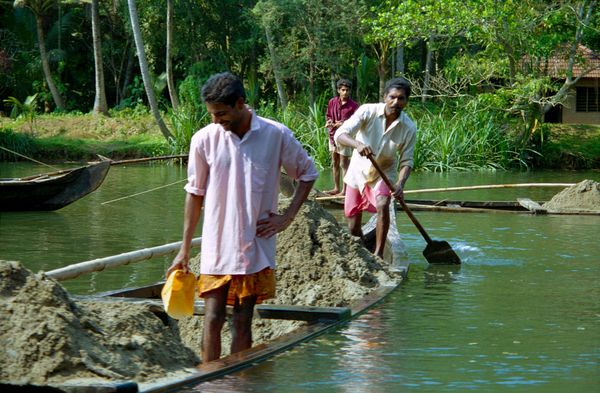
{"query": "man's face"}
(395, 101)
(229, 117)
(344, 92)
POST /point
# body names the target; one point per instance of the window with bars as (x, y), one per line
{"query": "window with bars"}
(586, 99)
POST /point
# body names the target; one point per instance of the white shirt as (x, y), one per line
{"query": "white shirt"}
(393, 147)
(239, 179)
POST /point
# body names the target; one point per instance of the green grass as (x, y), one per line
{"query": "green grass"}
(461, 135)
(571, 147)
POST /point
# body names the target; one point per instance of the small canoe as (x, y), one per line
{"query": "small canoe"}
(459, 206)
(51, 191)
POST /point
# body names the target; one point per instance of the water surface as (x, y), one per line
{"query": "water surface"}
(522, 314)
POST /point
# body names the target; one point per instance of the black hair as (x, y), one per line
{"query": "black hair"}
(223, 88)
(344, 82)
(398, 83)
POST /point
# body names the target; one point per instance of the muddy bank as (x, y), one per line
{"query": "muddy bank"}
(583, 196)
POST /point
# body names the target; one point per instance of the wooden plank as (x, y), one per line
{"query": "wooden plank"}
(238, 361)
(235, 362)
(320, 196)
(531, 206)
(264, 311)
(302, 313)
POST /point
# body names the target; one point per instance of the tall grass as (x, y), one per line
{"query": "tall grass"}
(185, 122)
(456, 135)
(462, 135)
(15, 142)
(307, 122)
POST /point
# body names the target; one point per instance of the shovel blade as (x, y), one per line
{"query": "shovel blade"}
(439, 252)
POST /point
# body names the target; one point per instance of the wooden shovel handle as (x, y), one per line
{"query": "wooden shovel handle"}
(401, 201)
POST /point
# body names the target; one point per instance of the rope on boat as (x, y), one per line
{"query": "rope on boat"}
(142, 192)
(29, 158)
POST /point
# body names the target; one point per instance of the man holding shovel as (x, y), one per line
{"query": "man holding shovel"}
(385, 132)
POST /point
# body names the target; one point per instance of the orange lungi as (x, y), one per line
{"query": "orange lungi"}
(261, 285)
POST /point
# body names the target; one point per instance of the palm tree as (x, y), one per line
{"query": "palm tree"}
(100, 105)
(139, 44)
(170, 82)
(40, 8)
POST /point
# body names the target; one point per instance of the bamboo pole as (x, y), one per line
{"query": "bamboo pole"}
(466, 188)
(96, 265)
(145, 159)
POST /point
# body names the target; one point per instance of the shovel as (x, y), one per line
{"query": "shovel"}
(437, 251)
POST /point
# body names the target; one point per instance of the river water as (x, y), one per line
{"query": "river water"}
(521, 314)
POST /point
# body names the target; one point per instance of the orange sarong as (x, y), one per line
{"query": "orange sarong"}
(261, 285)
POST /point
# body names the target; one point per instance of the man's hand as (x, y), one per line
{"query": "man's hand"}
(398, 192)
(181, 261)
(329, 123)
(272, 225)
(364, 150)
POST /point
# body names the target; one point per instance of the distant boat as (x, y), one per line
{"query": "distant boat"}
(51, 191)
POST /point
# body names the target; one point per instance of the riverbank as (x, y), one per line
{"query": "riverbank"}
(132, 134)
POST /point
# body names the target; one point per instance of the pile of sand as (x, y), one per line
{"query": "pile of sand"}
(47, 338)
(318, 264)
(583, 196)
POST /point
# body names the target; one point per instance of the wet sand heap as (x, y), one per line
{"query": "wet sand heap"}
(318, 264)
(47, 338)
(583, 196)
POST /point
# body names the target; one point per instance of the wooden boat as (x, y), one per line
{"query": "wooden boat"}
(51, 191)
(318, 321)
(520, 206)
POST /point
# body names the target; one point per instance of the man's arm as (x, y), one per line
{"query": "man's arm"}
(402, 178)
(193, 208)
(361, 148)
(276, 223)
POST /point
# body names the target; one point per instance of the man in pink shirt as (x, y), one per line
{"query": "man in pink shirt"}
(339, 109)
(385, 131)
(234, 169)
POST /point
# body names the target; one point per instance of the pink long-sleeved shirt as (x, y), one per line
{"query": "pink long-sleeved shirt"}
(239, 179)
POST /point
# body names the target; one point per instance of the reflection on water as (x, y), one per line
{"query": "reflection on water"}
(521, 314)
(90, 228)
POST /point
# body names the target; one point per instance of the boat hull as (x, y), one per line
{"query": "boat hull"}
(51, 192)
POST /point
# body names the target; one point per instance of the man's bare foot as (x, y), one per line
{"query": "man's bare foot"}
(332, 192)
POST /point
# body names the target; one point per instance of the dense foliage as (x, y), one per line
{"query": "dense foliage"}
(478, 66)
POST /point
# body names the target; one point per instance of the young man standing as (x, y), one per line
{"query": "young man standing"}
(233, 170)
(339, 109)
(386, 132)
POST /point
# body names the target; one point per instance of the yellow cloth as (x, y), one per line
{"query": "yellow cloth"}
(261, 284)
(178, 294)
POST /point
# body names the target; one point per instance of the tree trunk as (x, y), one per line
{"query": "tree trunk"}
(400, 60)
(276, 72)
(428, 63)
(100, 105)
(128, 71)
(170, 81)
(311, 84)
(58, 100)
(137, 36)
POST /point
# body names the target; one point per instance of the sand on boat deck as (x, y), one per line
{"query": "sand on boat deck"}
(47, 338)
